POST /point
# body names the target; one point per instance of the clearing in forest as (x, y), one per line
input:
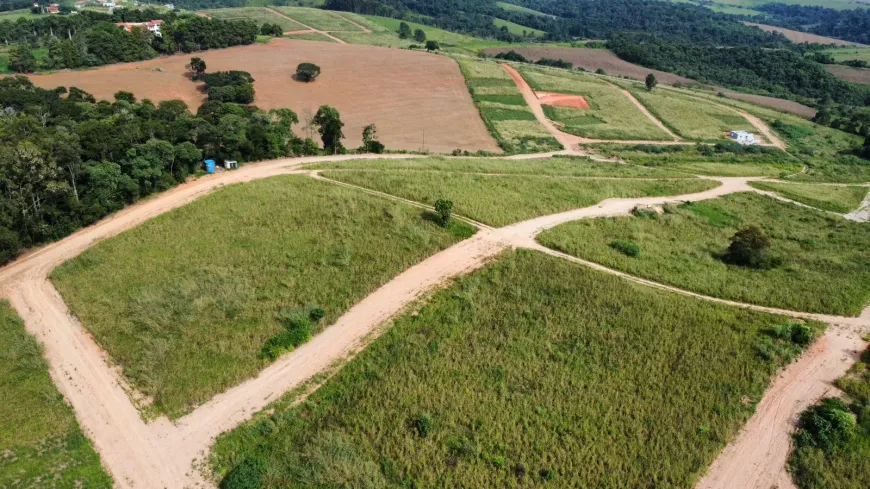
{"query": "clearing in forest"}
(611, 116)
(189, 302)
(834, 198)
(820, 262)
(42, 444)
(532, 371)
(417, 100)
(499, 200)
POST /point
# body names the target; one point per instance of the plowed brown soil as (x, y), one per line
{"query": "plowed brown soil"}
(800, 37)
(850, 74)
(412, 97)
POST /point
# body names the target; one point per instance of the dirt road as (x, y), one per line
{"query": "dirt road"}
(160, 454)
(641, 107)
(310, 29)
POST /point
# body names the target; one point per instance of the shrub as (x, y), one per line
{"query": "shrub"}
(420, 35)
(443, 208)
(316, 314)
(600, 71)
(826, 425)
(271, 30)
(307, 72)
(432, 46)
(423, 425)
(9, 245)
(246, 475)
(370, 140)
(512, 56)
(750, 247)
(555, 63)
(626, 247)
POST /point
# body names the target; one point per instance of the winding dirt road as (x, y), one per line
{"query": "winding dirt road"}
(161, 454)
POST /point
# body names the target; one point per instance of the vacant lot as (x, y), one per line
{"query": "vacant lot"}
(258, 15)
(850, 74)
(407, 94)
(591, 60)
(689, 117)
(504, 109)
(500, 200)
(801, 37)
(42, 444)
(557, 166)
(186, 302)
(532, 372)
(825, 266)
(611, 114)
(825, 197)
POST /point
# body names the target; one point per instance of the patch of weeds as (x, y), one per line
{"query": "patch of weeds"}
(626, 247)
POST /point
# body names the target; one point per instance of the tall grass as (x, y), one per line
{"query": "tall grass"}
(826, 267)
(502, 200)
(825, 197)
(41, 444)
(531, 372)
(186, 302)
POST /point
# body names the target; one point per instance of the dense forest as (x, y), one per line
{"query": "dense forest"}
(67, 160)
(92, 39)
(850, 25)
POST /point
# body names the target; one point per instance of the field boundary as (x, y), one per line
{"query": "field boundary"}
(310, 30)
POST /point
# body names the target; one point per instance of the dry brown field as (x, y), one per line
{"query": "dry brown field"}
(408, 95)
(850, 74)
(799, 37)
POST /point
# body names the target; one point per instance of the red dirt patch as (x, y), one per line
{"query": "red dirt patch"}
(405, 93)
(561, 100)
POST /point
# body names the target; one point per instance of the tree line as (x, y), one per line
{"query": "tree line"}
(91, 39)
(850, 25)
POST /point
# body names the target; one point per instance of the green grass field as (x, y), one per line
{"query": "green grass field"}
(504, 110)
(186, 302)
(258, 15)
(689, 117)
(323, 20)
(846, 463)
(847, 53)
(516, 8)
(532, 372)
(556, 166)
(42, 444)
(518, 29)
(310, 36)
(825, 269)
(825, 197)
(502, 200)
(13, 15)
(611, 116)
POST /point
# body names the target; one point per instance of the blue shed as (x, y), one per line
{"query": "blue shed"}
(209, 166)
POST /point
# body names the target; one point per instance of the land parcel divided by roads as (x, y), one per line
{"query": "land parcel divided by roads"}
(531, 372)
(187, 302)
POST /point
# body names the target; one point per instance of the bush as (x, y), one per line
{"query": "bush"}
(271, 30)
(246, 475)
(512, 56)
(555, 63)
(432, 46)
(626, 247)
(307, 72)
(443, 208)
(423, 425)
(827, 425)
(750, 247)
(9, 245)
(798, 333)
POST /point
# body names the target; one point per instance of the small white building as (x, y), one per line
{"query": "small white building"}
(745, 138)
(152, 26)
(110, 4)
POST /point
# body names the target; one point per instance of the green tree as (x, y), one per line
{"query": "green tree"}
(443, 208)
(420, 35)
(867, 146)
(370, 140)
(404, 31)
(21, 59)
(197, 67)
(307, 72)
(749, 247)
(125, 96)
(651, 82)
(432, 46)
(329, 125)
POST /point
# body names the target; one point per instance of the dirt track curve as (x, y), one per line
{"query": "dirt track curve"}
(161, 454)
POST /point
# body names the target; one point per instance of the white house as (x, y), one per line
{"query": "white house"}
(745, 138)
(152, 26)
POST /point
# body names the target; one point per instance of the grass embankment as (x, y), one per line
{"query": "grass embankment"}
(259, 15)
(42, 444)
(500, 200)
(611, 115)
(691, 118)
(701, 160)
(188, 302)
(825, 197)
(504, 110)
(310, 36)
(323, 20)
(533, 371)
(555, 166)
(825, 269)
(838, 455)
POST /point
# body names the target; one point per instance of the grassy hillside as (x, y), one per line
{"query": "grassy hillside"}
(42, 444)
(825, 197)
(193, 301)
(518, 29)
(824, 264)
(532, 372)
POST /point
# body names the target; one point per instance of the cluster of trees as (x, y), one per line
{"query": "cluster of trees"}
(515, 56)
(782, 72)
(92, 39)
(418, 35)
(274, 30)
(228, 86)
(307, 72)
(67, 160)
(851, 25)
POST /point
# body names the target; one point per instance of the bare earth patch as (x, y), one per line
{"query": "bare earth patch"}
(411, 96)
(850, 74)
(801, 37)
(561, 100)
